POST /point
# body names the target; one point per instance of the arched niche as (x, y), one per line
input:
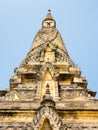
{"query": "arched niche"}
(47, 78)
(46, 125)
(47, 117)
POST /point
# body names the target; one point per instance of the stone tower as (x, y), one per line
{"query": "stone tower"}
(47, 91)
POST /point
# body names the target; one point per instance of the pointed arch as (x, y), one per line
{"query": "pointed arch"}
(47, 76)
(49, 66)
(46, 125)
(52, 81)
(51, 115)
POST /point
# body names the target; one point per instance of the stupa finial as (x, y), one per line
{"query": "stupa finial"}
(49, 11)
(49, 16)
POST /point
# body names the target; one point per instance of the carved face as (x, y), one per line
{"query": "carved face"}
(48, 23)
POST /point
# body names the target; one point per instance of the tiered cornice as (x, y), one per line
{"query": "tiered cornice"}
(47, 91)
(48, 62)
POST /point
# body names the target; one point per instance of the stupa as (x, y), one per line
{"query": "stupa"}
(47, 91)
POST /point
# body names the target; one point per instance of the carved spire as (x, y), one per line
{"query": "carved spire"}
(49, 16)
(49, 21)
(49, 33)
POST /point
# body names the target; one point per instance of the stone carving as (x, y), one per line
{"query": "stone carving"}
(27, 86)
(45, 34)
(17, 126)
(67, 103)
(61, 56)
(50, 67)
(15, 79)
(29, 126)
(72, 94)
(47, 111)
(80, 126)
(19, 70)
(18, 95)
(10, 96)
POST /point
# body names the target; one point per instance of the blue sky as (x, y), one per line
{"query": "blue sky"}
(77, 21)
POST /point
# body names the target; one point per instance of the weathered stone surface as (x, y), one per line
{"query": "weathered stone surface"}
(47, 91)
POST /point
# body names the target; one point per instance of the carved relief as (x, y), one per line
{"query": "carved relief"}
(15, 79)
(47, 113)
(47, 79)
(46, 125)
(48, 76)
(19, 95)
(10, 96)
(48, 69)
(17, 126)
(61, 56)
(72, 94)
(48, 34)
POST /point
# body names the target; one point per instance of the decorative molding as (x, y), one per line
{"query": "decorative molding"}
(48, 111)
